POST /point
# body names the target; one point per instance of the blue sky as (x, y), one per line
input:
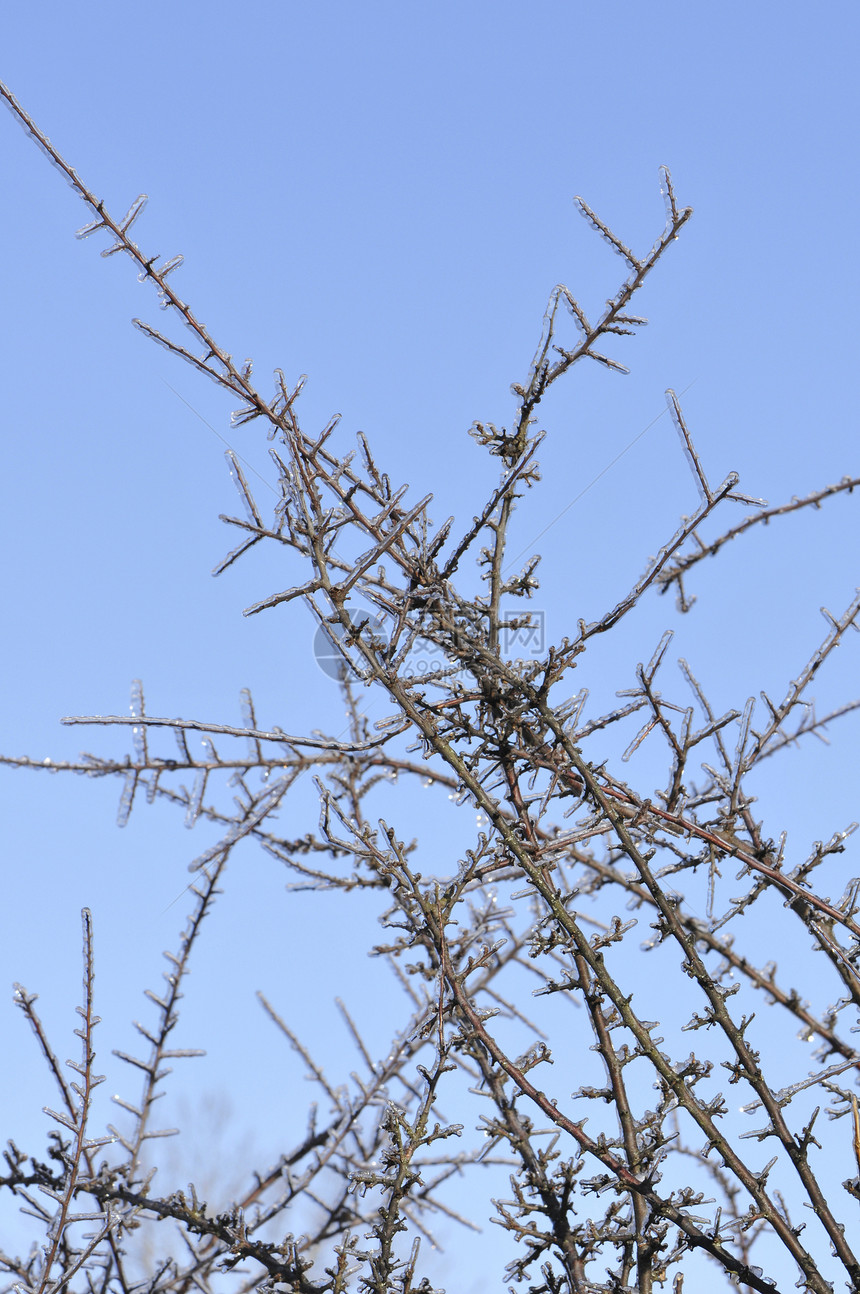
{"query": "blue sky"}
(380, 196)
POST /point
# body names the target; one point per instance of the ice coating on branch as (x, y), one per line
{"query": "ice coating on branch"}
(247, 707)
(162, 271)
(86, 230)
(133, 212)
(137, 702)
(173, 264)
(195, 800)
(606, 233)
(126, 800)
(705, 492)
(243, 488)
(668, 191)
(609, 363)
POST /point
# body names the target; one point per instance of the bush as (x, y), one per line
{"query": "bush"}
(645, 1170)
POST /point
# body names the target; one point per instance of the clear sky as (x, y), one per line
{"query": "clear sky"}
(380, 195)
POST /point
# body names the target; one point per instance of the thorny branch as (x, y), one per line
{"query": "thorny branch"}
(617, 1206)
